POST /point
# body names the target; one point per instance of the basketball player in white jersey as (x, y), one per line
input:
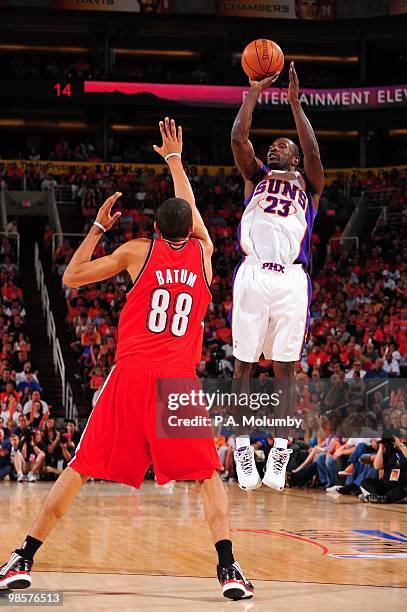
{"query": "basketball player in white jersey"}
(271, 289)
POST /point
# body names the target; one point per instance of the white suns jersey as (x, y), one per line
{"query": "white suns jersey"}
(276, 225)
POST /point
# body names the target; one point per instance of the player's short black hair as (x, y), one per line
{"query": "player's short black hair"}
(174, 218)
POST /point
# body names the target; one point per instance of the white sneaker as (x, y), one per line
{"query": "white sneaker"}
(31, 477)
(333, 489)
(247, 474)
(364, 495)
(276, 467)
(20, 477)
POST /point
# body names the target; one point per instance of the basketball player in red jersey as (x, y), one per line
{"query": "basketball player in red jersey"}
(160, 336)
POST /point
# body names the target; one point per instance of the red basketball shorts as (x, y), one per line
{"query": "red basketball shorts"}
(120, 441)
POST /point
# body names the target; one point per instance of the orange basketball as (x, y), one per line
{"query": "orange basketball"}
(262, 58)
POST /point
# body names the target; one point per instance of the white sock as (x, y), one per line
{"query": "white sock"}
(280, 443)
(242, 442)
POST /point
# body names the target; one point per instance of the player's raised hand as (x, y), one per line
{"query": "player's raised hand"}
(104, 217)
(294, 84)
(264, 83)
(172, 138)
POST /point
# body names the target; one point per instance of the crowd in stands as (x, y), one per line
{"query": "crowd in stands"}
(369, 461)
(350, 293)
(215, 68)
(34, 449)
(352, 440)
(30, 446)
(34, 66)
(212, 67)
(219, 197)
(83, 150)
(368, 466)
(358, 318)
(64, 150)
(127, 150)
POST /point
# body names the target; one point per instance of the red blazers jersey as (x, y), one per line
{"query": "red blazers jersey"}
(161, 322)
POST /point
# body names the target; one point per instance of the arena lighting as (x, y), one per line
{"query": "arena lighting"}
(345, 133)
(157, 52)
(12, 122)
(67, 125)
(328, 59)
(398, 132)
(349, 59)
(267, 131)
(289, 132)
(43, 48)
(128, 127)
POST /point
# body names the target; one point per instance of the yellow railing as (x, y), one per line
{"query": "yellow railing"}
(61, 167)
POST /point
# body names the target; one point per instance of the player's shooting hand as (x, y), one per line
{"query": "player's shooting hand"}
(264, 83)
(104, 217)
(172, 138)
(294, 85)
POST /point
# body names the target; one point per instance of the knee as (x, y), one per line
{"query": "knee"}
(284, 369)
(243, 369)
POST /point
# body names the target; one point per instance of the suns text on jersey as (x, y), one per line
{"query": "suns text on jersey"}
(279, 187)
(169, 277)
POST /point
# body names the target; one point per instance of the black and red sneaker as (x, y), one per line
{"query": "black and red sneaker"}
(233, 582)
(15, 574)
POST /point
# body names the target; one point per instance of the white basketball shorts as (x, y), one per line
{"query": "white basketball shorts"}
(270, 312)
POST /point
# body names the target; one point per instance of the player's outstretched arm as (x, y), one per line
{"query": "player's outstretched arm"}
(172, 143)
(242, 148)
(81, 270)
(309, 145)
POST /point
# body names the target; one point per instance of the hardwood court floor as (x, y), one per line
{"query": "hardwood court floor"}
(122, 549)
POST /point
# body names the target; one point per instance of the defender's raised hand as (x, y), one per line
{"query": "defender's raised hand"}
(294, 85)
(172, 143)
(104, 217)
(172, 138)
